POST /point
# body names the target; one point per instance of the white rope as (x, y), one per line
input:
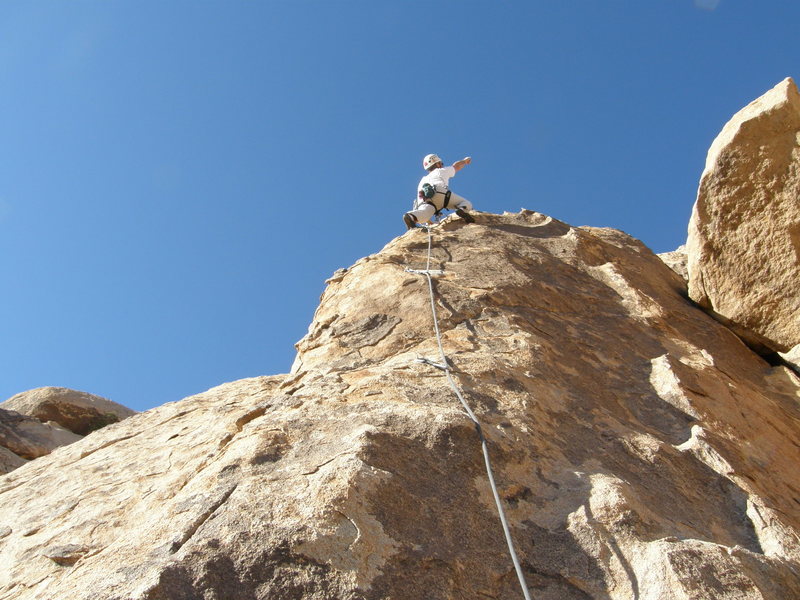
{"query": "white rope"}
(445, 366)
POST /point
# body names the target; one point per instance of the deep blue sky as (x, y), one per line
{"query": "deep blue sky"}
(178, 178)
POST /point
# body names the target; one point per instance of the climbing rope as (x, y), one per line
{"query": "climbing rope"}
(445, 366)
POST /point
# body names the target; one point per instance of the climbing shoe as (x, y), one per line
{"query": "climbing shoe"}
(465, 215)
(409, 220)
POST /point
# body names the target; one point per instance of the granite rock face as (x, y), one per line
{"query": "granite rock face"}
(27, 438)
(641, 450)
(79, 412)
(34, 423)
(744, 234)
(8, 459)
(677, 261)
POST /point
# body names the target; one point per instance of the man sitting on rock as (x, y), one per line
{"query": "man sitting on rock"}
(433, 194)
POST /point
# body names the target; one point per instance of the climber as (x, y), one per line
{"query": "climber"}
(433, 194)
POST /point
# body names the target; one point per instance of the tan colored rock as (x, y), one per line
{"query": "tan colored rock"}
(29, 438)
(77, 411)
(793, 358)
(744, 234)
(642, 451)
(9, 460)
(35, 422)
(677, 261)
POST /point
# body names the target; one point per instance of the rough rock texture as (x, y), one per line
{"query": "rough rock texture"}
(36, 422)
(29, 438)
(744, 234)
(79, 412)
(792, 358)
(641, 449)
(676, 260)
(8, 460)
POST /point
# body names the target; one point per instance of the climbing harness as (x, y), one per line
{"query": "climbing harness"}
(426, 195)
(444, 365)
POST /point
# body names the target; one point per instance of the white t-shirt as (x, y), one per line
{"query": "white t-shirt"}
(439, 178)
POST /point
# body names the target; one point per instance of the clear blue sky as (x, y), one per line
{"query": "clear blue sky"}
(178, 178)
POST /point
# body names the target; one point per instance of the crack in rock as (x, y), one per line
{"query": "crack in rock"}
(210, 508)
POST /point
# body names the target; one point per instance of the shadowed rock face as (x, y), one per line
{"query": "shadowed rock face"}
(642, 451)
(24, 438)
(744, 235)
(79, 412)
(34, 423)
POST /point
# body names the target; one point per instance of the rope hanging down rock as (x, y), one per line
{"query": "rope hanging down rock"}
(444, 365)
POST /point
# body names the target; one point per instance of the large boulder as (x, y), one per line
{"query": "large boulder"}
(34, 423)
(28, 438)
(744, 236)
(640, 449)
(8, 459)
(77, 411)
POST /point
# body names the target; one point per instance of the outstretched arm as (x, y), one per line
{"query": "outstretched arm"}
(458, 165)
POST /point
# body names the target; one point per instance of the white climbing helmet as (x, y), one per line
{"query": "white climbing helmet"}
(430, 160)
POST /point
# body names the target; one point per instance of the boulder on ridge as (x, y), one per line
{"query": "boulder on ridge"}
(79, 412)
(744, 235)
(28, 438)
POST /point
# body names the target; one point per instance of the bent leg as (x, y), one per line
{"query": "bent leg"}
(457, 201)
(423, 213)
(462, 207)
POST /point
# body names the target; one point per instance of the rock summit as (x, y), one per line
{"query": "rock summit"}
(640, 449)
